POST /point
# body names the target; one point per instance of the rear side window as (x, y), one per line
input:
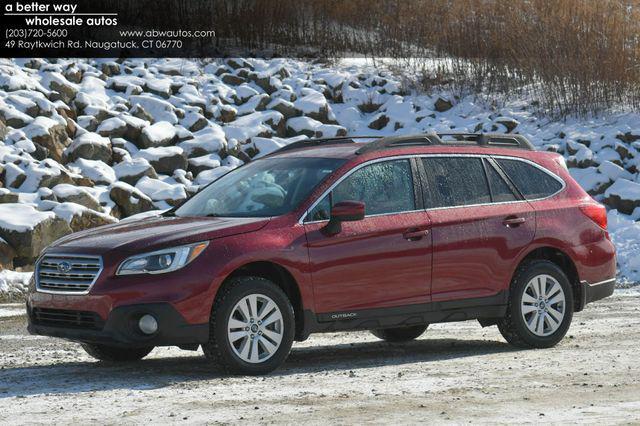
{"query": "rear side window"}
(500, 191)
(531, 181)
(455, 181)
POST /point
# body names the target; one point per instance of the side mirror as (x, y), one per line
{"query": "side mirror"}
(344, 211)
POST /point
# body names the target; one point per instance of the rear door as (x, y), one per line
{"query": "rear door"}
(479, 226)
(381, 261)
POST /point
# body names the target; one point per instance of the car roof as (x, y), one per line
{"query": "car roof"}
(446, 143)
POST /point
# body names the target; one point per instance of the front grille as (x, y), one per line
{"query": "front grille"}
(67, 274)
(65, 318)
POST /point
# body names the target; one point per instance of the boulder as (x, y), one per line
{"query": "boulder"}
(227, 113)
(232, 79)
(7, 254)
(7, 196)
(13, 176)
(74, 194)
(129, 200)
(28, 230)
(442, 105)
(131, 171)
(165, 159)
(379, 122)
(158, 134)
(90, 146)
(49, 134)
(623, 195)
(112, 127)
(80, 218)
(172, 194)
(509, 123)
(66, 90)
(284, 107)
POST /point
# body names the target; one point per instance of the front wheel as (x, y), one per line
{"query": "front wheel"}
(252, 327)
(540, 306)
(114, 353)
(399, 334)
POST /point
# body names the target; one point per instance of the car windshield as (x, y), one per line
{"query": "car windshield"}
(264, 188)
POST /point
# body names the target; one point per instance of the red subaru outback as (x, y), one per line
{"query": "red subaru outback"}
(389, 236)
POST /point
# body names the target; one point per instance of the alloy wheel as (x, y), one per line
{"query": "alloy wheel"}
(255, 328)
(543, 305)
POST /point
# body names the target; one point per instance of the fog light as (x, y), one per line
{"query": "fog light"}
(148, 324)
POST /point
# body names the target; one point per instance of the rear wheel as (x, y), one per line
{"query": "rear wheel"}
(399, 334)
(540, 306)
(114, 353)
(252, 327)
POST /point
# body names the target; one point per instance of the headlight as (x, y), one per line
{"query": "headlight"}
(161, 261)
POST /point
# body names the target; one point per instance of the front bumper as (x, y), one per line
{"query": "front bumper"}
(596, 291)
(120, 327)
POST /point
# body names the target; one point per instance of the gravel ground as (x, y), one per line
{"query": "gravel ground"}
(454, 373)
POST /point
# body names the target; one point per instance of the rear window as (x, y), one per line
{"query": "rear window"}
(531, 181)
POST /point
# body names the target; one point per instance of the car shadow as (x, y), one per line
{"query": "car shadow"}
(154, 373)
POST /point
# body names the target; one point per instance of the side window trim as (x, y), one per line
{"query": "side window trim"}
(490, 162)
(419, 183)
(329, 191)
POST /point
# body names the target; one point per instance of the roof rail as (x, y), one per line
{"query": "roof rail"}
(454, 139)
(308, 143)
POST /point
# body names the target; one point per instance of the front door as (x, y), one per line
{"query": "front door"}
(381, 261)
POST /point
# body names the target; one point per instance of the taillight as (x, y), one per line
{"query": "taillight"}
(597, 213)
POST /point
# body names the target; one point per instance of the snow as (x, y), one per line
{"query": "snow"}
(156, 153)
(39, 127)
(96, 170)
(159, 132)
(111, 124)
(158, 190)
(624, 189)
(21, 217)
(89, 138)
(312, 102)
(132, 167)
(12, 283)
(175, 94)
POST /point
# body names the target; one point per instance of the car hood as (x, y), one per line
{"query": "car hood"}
(157, 232)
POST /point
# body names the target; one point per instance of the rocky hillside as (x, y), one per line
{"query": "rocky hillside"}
(90, 142)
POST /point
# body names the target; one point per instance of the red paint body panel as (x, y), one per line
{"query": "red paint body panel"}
(370, 264)
(468, 252)
(473, 250)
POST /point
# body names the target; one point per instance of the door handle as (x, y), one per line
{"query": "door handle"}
(513, 221)
(415, 234)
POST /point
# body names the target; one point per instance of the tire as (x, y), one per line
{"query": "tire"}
(268, 331)
(540, 326)
(115, 354)
(399, 334)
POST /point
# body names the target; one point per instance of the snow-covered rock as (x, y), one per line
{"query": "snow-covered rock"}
(623, 195)
(158, 134)
(130, 171)
(90, 146)
(28, 230)
(164, 159)
(129, 199)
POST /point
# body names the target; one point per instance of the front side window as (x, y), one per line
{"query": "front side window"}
(531, 181)
(384, 187)
(455, 181)
(264, 188)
